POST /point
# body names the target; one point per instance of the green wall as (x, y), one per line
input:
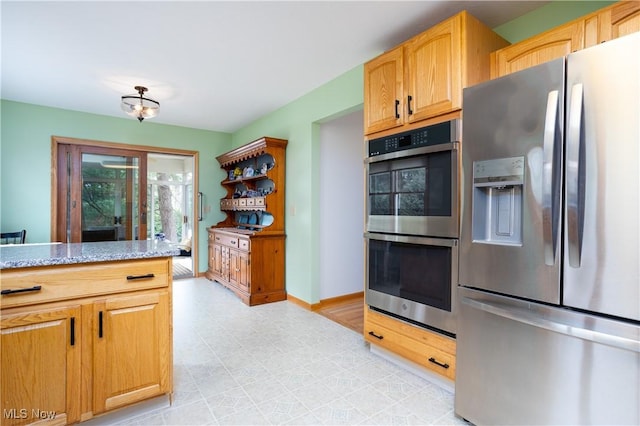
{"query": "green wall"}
(298, 123)
(26, 140)
(546, 17)
(25, 164)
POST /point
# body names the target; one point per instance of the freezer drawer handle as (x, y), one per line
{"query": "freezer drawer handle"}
(21, 290)
(525, 317)
(433, 360)
(371, 333)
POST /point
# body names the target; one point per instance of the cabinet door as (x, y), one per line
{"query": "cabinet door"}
(621, 19)
(217, 259)
(434, 74)
(239, 274)
(41, 366)
(545, 47)
(383, 92)
(132, 349)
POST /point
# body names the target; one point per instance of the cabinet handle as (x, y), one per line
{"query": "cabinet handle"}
(371, 333)
(409, 99)
(72, 340)
(21, 290)
(100, 324)
(433, 360)
(139, 277)
(397, 105)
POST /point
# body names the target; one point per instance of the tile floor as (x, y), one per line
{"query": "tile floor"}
(281, 364)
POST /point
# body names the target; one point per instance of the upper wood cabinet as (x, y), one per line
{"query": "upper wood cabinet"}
(603, 25)
(618, 20)
(383, 91)
(424, 77)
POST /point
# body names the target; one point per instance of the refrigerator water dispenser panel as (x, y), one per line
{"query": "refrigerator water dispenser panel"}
(497, 201)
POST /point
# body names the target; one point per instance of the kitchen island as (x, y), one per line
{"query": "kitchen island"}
(86, 328)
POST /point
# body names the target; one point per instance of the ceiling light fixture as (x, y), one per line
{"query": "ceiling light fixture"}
(139, 106)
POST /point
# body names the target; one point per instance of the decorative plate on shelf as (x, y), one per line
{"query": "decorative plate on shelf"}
(267, 219)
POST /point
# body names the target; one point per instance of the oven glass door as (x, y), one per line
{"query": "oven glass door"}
(413, 277)
(420, 273)
(415, 194)
(416, 186)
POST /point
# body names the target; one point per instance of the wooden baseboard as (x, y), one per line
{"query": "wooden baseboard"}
(325, 302)
(298, 302)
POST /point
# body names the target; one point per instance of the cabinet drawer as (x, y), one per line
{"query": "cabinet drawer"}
(251, 202)
(259, 202)
(440, 342)
(428, 349)
(425, 355)
(226, 204)
(227, 240)
(76, 281)
(244, 244)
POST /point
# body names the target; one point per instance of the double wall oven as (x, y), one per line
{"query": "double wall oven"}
(412, 225)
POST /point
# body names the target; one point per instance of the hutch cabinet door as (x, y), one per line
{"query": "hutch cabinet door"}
(41, 366)
(132, 349)
(383, 92)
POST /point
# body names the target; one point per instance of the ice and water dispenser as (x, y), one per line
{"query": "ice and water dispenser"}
(497, 201)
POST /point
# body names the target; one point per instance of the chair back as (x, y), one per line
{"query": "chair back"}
(18, 237)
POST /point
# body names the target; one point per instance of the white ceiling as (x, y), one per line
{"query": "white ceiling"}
(216, 65)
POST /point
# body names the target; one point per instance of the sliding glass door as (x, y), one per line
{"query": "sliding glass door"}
(99, 194)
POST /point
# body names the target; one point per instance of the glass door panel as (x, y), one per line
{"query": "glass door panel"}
(110, 195)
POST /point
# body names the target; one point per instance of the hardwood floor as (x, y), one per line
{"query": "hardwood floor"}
(349, 312)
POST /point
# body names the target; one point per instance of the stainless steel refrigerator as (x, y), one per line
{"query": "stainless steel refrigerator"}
(549, 279)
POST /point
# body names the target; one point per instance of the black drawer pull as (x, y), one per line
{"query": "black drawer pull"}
(433, 360)
(21, 290)
(100, 331)
(73, 331)
(371, 333)
(139, 277)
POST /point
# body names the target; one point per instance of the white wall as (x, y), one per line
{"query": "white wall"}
(341, 206)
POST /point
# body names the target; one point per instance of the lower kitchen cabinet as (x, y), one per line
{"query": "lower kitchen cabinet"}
(41, 364)
(131, 349)
(251, 265)
(428, 349)
(80, 340)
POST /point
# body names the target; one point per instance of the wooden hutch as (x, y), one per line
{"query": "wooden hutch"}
(247, 249)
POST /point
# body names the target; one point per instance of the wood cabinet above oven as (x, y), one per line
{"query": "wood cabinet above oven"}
(424, 77)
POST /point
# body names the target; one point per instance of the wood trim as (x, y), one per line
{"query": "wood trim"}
(325, 302)
(252, 149)
(299, 302)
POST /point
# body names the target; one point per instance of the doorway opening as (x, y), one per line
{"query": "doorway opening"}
(170, 213)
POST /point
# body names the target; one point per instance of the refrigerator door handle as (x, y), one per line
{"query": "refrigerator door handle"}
(550, 207)
(523, 316)
(575, 177)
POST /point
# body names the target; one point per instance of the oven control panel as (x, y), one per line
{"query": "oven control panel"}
(436, 134)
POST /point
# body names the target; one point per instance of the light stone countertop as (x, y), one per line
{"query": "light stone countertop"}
(30, 255)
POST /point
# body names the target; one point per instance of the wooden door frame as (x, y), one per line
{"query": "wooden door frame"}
(56, 141)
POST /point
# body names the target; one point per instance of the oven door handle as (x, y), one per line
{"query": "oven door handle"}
(449, 146)
(409, 239)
